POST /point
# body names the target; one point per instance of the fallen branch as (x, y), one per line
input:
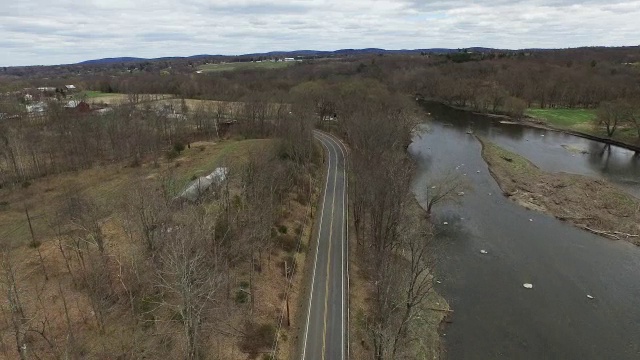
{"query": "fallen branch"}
(443, 310)
(625, 234)
(574, 218)
(603, 233)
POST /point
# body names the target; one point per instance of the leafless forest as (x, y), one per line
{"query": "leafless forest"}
(142, 274)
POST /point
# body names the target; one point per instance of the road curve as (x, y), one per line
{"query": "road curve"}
(326, 329)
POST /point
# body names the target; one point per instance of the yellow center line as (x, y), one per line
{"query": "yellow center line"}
(326, 291)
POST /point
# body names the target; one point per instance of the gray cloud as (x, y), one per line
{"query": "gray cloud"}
(35, 32)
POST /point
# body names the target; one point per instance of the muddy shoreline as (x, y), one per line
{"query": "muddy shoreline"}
(590, 204)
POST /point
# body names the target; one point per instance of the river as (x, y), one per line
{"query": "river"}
(494, 315)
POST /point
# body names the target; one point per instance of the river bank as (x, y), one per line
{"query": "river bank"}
(429, 316)
(535, 122)
(592, 204)
(541, 124)
(495, 316)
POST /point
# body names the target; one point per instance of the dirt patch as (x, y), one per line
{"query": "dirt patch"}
(591, 204)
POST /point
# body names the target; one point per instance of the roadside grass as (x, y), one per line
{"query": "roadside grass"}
(563, 117)
(109, 185)
(244, 66)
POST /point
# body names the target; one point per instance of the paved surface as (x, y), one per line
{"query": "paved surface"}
(325, 335)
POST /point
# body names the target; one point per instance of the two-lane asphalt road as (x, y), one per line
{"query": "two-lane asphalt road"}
(325, 335)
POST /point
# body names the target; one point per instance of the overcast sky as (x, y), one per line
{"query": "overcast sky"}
(69, 31)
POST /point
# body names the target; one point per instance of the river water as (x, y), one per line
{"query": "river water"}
(494, 315)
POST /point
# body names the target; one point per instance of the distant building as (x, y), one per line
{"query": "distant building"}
(37, 108)
(70, 88)
(289, 59)
(77, 105)
(103, 111)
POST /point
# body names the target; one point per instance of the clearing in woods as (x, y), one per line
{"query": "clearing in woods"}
(109, 186)
(582, 120)
(245, 66)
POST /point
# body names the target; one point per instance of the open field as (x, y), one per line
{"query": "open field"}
(245, 66)
(563, 117)
(117, 99)
(581, 120)
(592, 204)
(108, 184)
(90, 94)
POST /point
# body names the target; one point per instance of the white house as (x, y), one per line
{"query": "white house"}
(37, 108)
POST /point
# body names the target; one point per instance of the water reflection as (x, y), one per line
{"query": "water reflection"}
(494, 317)
(550, 150)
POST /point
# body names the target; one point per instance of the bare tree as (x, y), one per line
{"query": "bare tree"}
(16, 310)
(418, 263)
(612, 114)
(190, 279)
(449, 187)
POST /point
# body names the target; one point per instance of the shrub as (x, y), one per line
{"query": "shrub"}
(286, 242)
(258, 337)
(172, 154)
(241, 297)
(282, 228)
(289, 263)
(178, 147)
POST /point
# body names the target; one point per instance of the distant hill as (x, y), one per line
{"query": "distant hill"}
(112, 61)
(294, 53)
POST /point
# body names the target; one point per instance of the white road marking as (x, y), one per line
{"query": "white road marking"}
(315, 263)
(333, 143)
(337, 143)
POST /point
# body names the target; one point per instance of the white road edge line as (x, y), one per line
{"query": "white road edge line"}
(346, 245)
(337, 143)
(313, 277)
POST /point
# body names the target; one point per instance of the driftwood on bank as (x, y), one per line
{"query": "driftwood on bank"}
(611, 234)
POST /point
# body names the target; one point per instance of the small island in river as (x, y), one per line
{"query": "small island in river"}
(592, 204)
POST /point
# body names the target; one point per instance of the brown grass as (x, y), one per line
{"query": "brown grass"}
(43, 299)
(580, 200)
(107, 184)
